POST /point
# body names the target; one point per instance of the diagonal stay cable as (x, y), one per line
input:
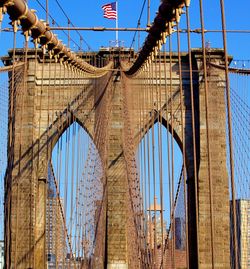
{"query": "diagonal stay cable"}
(40, 32)
(55, 22)
(70, 22)
(138, 24)
(169, 13)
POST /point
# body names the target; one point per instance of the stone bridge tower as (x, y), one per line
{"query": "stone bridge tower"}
(52, 100)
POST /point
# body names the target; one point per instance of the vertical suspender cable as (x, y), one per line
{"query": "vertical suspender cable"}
(146, 230)
(148, 23)
(168, 139)
(149, 169)
(183, 147)
(140, 163)
(153, 162)
(48, 163)
(32, 198)
(193, 131)
(207, 130)
(229, 122)
(11, 139)
(145, 202)
(161, 161)
(148, 166)
(47, 12)
(45, 185)
(172, 152)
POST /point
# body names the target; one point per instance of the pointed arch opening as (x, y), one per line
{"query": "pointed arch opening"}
(74, 201)
(160, 165)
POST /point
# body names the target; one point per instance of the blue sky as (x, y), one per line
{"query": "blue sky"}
(89, 14)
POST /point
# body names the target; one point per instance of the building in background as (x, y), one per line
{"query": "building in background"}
(156, 231)
(243, 233)
(55, 232)
(180, 233)
(1, 254)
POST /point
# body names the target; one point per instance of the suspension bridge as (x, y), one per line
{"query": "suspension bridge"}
(123, 158)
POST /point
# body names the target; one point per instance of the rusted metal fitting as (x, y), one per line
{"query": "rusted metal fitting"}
(187, 3)
(61, 61)
(156, 50)
(36, 42)
(177, 15)
(50, 54)
(44, 49)
(1, 14)
(9, 3)
(159, 44)
(170, 29)
(3, 9)
(15, 26)
(26, 35)
(56, 58)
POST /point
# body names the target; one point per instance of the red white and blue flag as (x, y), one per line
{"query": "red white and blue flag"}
(110, 11)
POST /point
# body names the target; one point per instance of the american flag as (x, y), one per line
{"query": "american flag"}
(110, 11)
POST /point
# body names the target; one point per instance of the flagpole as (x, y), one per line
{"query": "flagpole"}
(117, 42)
